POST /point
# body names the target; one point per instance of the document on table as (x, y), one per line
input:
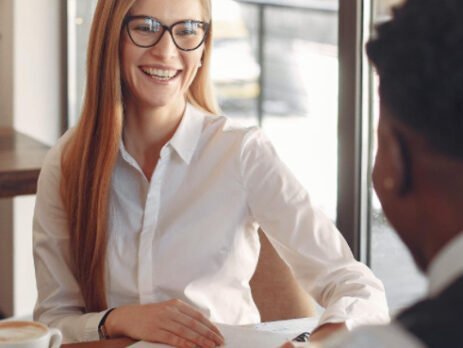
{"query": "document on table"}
(291, 326)
(238, 337)
(263, 335)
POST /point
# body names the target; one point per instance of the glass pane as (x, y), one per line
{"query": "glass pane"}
(235, 68)
(298, 67)
(301, 93)
(390, 259)
(79, 22)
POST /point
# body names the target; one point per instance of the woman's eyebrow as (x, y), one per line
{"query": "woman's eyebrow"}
(184, 18)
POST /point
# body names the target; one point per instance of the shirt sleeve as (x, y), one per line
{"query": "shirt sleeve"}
(59, 302)
(307, 240)
(382, 336)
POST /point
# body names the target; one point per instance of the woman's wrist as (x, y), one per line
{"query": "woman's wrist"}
(111, 324)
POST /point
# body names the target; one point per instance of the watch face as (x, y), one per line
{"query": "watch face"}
(102, 333)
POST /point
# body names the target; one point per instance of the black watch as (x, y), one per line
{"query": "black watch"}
(101, 329)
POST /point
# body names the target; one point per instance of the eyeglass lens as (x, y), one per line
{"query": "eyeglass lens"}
(146, 32)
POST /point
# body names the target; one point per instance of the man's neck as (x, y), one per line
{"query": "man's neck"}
(446, 265)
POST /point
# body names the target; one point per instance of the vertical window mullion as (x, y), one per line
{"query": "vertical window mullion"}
(367, 134)
(352, 206)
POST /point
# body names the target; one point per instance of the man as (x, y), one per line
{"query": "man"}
(418, 174)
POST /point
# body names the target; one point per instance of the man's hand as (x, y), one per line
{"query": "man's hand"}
(326, 330)
(172, 322)
(320, 334)
(298, 345)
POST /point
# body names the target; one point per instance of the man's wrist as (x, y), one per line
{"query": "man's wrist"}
(326, 330)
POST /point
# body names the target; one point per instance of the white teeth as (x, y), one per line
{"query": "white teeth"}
(159, 73)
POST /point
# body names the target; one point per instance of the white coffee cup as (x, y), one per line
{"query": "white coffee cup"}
(28, 334)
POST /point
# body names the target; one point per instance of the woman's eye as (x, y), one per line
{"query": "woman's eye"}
(188, 29)
(147, 26)
(187, 32)
(143, 28)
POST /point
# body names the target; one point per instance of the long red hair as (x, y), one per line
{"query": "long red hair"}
(89, 157)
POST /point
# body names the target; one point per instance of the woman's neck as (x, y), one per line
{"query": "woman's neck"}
(147, 130)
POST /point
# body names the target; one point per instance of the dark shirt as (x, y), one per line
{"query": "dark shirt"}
(437, 322)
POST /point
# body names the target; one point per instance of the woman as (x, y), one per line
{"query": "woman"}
(151, 205)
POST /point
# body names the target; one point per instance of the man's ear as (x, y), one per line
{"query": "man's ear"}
(401, 163)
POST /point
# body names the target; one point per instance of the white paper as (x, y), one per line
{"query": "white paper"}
(238, 337)
(292, 326)
(263, 335)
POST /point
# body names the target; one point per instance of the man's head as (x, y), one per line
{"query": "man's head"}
(418, 172)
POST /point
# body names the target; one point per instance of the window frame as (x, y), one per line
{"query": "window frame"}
(354, 127)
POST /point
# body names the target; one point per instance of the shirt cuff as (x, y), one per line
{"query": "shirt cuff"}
(355, 313)
(91, 326)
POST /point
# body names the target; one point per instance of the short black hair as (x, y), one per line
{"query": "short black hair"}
(418, 55)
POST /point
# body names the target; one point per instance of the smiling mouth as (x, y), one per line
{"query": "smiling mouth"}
(160, 74)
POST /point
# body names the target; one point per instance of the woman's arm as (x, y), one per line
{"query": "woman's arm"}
(59, 301)
(307, 240)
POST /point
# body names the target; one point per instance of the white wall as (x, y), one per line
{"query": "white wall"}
(25, 293)
(37, 68)
(30, 100)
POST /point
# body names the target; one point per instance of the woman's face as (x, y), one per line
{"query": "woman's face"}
(160, 76)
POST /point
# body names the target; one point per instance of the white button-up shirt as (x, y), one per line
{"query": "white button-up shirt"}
(191, 233)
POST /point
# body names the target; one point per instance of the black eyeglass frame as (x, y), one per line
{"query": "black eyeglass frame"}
(169, 29)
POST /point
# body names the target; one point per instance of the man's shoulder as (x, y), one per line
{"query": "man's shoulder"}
(379, 336)
(436, 321)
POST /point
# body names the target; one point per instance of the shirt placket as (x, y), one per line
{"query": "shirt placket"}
(146, 279)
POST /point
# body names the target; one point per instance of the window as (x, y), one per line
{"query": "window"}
(78, 26)
(297, 51)
(307, 134)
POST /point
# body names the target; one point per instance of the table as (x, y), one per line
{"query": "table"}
(21, 158)
(113, 343)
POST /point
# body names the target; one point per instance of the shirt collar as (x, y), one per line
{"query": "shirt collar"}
(446, 266)
(186, 137)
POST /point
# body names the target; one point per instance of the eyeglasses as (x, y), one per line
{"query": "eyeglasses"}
(146, 32)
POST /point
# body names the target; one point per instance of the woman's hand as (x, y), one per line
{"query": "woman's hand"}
(172, 322)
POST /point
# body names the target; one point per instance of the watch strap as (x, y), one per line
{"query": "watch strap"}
(101, 328)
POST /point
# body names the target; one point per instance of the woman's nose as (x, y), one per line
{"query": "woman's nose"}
(165, 47)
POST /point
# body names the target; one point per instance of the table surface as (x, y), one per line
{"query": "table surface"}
(113, 343)
(21, 158)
